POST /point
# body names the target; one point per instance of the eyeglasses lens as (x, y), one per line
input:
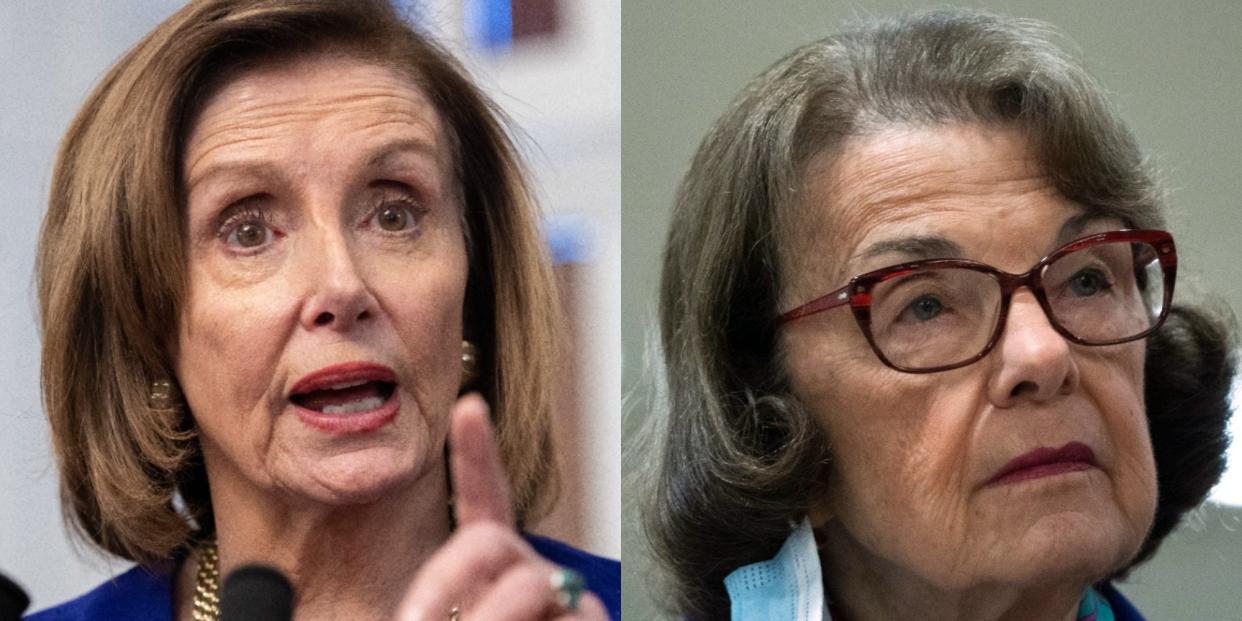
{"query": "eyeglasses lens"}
(1106, 292)
(939, 317)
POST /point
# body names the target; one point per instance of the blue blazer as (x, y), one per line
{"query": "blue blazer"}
(144, 594)
(1123, 610)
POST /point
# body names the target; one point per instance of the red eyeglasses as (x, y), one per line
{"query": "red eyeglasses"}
(941, 314)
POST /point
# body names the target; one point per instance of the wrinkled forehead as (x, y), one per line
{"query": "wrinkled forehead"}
(253, 110)
(883, 198)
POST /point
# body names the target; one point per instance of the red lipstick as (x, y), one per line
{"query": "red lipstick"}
(353, 397)
(1043, 462)
(344, 373)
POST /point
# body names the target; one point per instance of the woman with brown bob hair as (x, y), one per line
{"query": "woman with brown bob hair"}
(284, 238)
(922, 351)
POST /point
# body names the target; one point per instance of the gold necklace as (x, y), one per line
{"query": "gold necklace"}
(207, 583)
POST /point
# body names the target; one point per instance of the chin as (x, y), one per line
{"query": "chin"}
(357, 478)
(1079, 546)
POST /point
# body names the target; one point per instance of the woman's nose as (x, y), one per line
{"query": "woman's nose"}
(1032, 360)
(337, 295)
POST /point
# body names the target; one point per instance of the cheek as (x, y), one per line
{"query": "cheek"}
(426, 308)
(893, 437)
(428, 319)
(229, 343)
(1115, 383)
(229, 347)
(901, 458)
(900, 450)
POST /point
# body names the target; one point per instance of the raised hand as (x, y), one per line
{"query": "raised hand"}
(486, 570)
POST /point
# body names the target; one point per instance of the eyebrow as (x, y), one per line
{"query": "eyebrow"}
(384, 155)
(261, 170)
(1074, 226)
(936, 247)
(381, 157)
(918, 247)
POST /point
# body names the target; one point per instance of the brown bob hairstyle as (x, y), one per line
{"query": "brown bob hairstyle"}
(111, 264)
(740, 459)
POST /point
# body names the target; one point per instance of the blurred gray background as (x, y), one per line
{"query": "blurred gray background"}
(1175, 68)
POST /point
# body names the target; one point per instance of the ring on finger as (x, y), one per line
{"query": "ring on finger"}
(567, 586)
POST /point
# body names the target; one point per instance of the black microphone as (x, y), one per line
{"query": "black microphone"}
(256, 593)
(13, 600)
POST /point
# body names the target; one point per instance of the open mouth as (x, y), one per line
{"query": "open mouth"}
(346, 397)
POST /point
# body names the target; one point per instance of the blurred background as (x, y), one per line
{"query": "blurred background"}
(1175, 68)
(552, 65)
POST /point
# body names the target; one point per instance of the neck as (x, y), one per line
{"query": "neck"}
(864, 587)
(345, 562)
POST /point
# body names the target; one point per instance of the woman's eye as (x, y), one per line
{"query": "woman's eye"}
(249, 234)
(925, 308)
(396, 214)
(394, 218)
(1087, 283)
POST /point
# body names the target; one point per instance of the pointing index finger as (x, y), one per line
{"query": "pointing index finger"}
(480, 485)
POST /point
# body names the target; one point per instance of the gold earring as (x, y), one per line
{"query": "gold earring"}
(469, 362)
(161, 396)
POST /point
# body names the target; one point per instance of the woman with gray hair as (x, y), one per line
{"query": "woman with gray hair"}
(921, 345)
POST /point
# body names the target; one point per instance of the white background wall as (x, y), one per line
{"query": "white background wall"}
(564, 94)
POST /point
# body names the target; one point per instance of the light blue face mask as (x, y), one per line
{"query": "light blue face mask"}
(788, 587)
